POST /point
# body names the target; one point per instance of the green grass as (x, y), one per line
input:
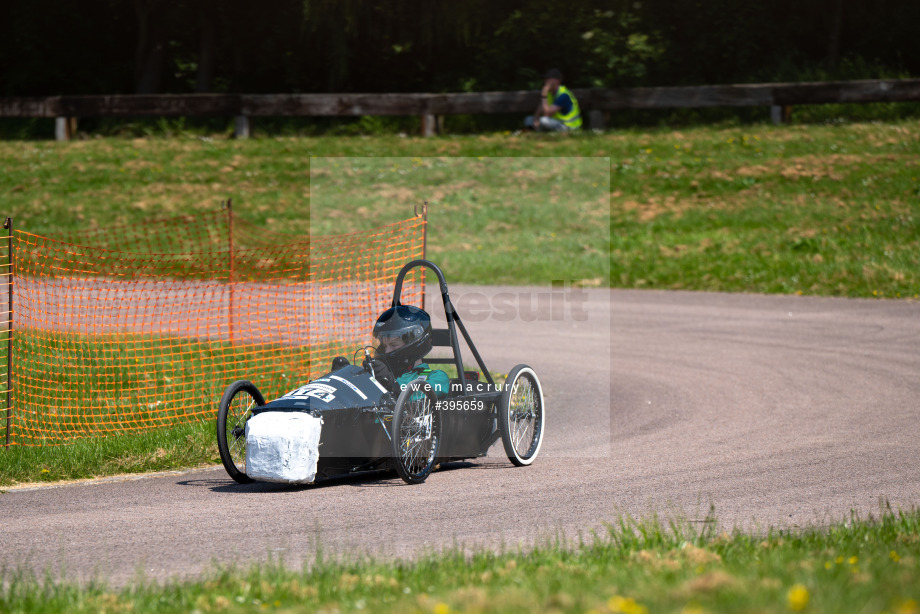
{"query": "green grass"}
(861, 565)
(178, 447)
(808, 210)
(813, 209)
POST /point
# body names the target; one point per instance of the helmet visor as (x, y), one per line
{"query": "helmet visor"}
(390, 341)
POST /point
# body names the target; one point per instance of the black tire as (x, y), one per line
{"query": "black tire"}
(416, 432)
(521, 416)
(235, 409)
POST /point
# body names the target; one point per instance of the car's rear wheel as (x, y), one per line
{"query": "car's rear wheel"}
(521, 415)
(236, 407)
(416, 432)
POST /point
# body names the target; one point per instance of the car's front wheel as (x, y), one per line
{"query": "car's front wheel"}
(416, 432)
(235, 409)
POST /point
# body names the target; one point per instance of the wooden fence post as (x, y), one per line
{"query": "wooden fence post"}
(241, 127)
(596, 120)
(64, 128)
(781, 114)
(429, 125)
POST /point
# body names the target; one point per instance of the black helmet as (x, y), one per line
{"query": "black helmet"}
(409, 325)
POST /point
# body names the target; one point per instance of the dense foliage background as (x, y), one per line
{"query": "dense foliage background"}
(145, 46)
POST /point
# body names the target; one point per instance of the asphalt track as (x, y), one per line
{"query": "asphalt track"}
(773, 410)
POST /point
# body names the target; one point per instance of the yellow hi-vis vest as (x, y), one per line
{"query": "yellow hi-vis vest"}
(573, 118)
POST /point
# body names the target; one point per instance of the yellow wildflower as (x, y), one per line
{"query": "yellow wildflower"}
(625, 605)
(797, 597)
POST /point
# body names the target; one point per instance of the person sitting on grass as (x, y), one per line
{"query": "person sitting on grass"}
(558, 110)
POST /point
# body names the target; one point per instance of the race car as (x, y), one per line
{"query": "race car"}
(360, 418)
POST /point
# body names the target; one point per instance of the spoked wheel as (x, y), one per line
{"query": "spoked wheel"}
(416, 432)
(521, 416)
(235, 409)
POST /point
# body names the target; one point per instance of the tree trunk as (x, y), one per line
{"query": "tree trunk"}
(833, 41)
(151, 47)
(239, 36)
(207, 18)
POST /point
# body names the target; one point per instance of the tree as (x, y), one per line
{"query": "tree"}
(150, 51)
(207, 46)
(833, 39)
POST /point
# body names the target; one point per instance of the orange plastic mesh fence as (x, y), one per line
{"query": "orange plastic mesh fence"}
(133, 328)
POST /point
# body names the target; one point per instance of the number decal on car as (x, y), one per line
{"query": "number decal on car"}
(322, 392)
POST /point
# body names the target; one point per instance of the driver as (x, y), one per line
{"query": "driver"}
(403, 337)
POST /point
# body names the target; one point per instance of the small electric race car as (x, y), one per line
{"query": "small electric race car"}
(348, 421)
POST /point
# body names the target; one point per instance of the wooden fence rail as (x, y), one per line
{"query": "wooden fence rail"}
(593, 102)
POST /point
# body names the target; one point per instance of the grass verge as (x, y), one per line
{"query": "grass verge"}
(177, 447)
(861, 565)
(813, 209)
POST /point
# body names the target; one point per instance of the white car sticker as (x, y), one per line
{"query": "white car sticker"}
(350, 385)
(378, 384)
